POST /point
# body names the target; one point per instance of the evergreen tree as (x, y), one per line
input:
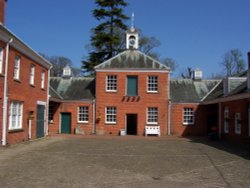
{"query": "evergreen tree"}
(107, 36)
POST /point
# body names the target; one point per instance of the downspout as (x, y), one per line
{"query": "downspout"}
(93, 118)
(169, 107)
(47, 111)
(5, 94)
(169, 117)
(219, 131)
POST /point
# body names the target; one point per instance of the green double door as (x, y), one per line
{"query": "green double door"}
(40, 121)
(65, 123)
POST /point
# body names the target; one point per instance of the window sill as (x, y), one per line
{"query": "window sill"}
(110, 123)
(152, 92)
(188, 124)
(110, 91)
(83, 122)
(1, 75)
(15, 130)
(16, 80)
(43, 89)
(153, 124)
(32, 85)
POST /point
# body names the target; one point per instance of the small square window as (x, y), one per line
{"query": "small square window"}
(188, 116)
(17, 68)
(111, 83)
(152, 84)
(152, 115)
(83, 114)
(111, 115)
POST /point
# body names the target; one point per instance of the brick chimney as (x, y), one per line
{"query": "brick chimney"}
(248, 71)
(2, 11)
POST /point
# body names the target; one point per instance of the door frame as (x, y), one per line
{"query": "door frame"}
(126, 121)
(60, 121)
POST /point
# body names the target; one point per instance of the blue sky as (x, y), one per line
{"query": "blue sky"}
(194, 33)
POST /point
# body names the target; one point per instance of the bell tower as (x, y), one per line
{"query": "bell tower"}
(132, 37)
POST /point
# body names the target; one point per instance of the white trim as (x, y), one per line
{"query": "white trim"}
(1, 60)
(151, 83)
(211, 91)
(19, 45)
(110, 122)
(106, 84)
(132, 70)
(78, 110)
(41, 103)
(152, 123)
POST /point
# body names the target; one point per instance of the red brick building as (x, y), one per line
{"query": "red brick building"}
(72, 104)
(230, 102)
(23, 88)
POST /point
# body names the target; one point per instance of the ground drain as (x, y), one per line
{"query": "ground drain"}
(156, 178)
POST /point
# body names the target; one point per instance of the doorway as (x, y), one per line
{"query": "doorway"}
(40, 121)
(65, 123)
(131, 124)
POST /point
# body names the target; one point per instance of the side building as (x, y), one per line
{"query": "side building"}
(72, 104)
(24, 77)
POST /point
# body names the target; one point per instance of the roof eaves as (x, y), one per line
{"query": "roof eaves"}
(21, 46)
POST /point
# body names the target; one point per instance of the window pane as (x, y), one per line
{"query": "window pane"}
(152, 83)
(111, 115)
(111, 83)
(152, 116)
(188, 116)
(132, 86)
(83, 114)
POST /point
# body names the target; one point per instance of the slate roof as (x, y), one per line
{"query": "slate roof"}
(78, 88)
(132, 59)
(236, 85)
(190, 91)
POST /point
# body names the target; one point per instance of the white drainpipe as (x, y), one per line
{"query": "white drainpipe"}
(47, 109)
(169, 106)
(93, 118)
(5, 94)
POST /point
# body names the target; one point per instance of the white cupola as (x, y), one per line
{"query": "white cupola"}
(67, 72)
(132, 37)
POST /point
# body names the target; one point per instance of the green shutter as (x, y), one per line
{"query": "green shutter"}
(132, 86)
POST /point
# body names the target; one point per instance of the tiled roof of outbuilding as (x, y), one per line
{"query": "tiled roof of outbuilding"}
(190, 91)
(80, 88)
(132, 59)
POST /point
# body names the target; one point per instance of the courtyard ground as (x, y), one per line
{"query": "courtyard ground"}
(110, 161)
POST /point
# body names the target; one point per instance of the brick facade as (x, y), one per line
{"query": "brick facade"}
(131, 105)
(241, 107)
(2, 10)
(72, 108)
(199, 128)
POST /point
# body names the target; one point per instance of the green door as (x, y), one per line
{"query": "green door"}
(65, 123)
(132, 86)
(40, 121)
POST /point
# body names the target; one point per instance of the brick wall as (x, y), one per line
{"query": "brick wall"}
(199, 128)
(21, 90)
(239, 106)
(72, 108)
(131, 105)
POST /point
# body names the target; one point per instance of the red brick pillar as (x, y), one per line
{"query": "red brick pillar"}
(2, 11)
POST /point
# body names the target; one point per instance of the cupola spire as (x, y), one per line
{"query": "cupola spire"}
(132, 36)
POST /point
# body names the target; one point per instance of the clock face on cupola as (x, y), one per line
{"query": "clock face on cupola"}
(132, 37)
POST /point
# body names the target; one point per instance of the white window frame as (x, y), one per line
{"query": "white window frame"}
(152, 115)
(152, 84)
(226, 116)
(188, 114)
(43, 79)
(17, 68)
(1, 60)
(32, 74)
(15, 115)
(83, 114)
(110, 115)
(237, 124)
(111, 83)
